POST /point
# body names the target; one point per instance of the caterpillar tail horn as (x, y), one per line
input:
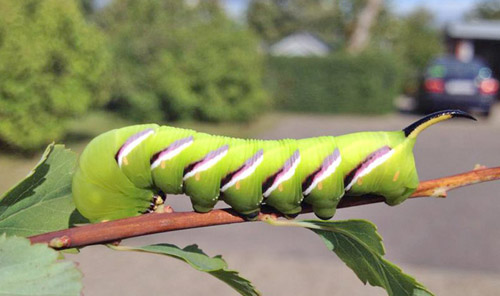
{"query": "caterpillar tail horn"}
(414, 129)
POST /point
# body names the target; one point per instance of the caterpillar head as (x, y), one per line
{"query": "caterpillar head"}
(101, 190)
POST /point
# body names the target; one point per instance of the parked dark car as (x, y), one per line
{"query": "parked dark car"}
(450, 83)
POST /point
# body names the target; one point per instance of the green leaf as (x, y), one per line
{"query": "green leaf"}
(27, 269)
(359, 245)
(190, 254)
(42, 201)
(233, 279)
(195, 257)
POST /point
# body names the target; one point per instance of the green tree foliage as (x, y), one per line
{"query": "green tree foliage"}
(333, 21)
(416, 41)
(176, 61)
(52, 68)
(87, 6)
(486, 9)
(270, 21)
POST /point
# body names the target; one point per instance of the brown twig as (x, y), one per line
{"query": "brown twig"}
(116, 230)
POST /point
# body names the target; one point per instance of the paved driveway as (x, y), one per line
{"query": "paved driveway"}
(452, 245)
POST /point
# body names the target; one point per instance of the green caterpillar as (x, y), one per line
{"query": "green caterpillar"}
(123, 172)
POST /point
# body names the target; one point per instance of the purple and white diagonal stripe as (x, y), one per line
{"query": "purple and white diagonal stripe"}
(369, 164)
(246, 170)
(286, 172)
(211, 159)
(328, 167)
(132, 142)
(171, 151)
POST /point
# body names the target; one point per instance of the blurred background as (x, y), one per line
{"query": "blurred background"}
(71, 69)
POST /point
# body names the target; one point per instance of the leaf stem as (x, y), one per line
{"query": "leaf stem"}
(112, 231)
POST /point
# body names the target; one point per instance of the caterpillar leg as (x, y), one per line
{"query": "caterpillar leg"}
(156, 202)
(202, 208)
(251, 216)
(291, 216)
(324, 213)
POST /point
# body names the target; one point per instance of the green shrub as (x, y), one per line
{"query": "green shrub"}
(52, 68)
(176, 61)
(340, 83)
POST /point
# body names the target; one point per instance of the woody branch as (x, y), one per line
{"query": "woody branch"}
(116, 230)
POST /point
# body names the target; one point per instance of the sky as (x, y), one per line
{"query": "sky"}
(444, 10)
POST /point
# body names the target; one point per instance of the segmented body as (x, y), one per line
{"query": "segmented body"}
(121, 170)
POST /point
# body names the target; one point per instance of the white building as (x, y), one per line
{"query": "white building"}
(299, 44)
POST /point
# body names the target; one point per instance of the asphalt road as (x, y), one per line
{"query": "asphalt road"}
(451, 245)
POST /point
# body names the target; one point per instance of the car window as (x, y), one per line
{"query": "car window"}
(458, 70)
